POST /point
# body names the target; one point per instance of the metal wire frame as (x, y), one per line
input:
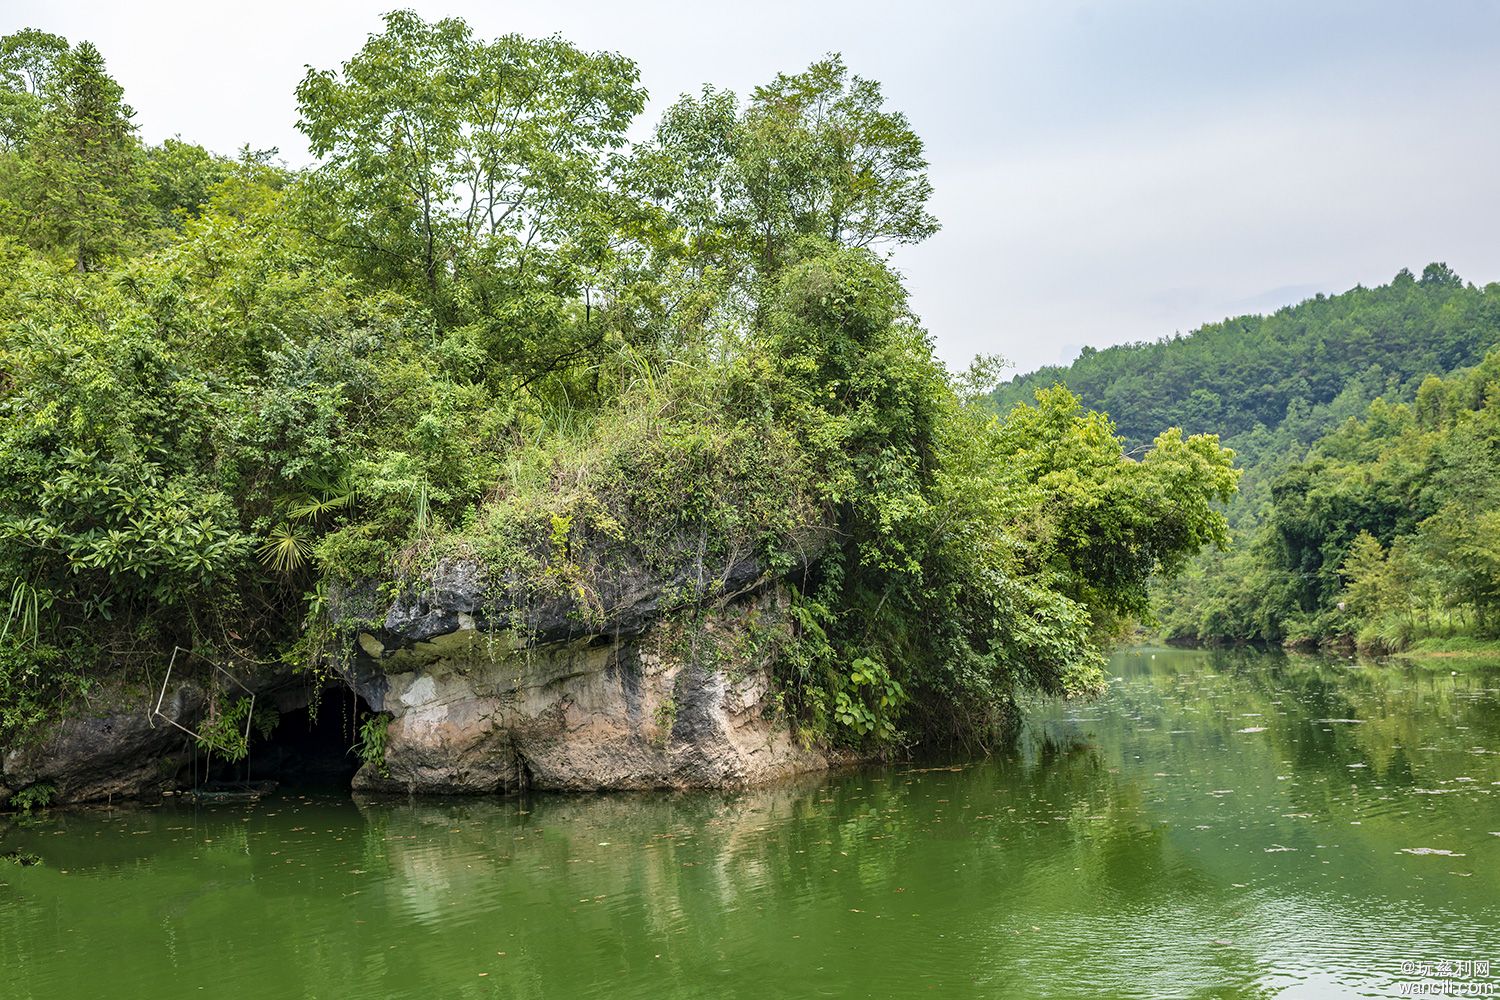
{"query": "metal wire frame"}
(157, 712)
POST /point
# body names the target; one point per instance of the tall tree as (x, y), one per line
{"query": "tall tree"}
(813, 154)
(469, 172)
(28, 64)
(80, 188)
(823, 155)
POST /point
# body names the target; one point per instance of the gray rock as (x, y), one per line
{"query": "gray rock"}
(499, 684)
(111, 747)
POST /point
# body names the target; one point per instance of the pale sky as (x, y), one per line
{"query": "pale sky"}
(1104, 172)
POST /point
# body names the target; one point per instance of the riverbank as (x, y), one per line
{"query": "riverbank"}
(1461, 648)
(1454, 648)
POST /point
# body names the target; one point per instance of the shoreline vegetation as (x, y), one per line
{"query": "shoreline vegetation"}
(485, 326)
(1458, 647)
(1368, 428)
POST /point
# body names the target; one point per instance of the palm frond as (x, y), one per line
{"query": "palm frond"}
(326, 496)
(286, 549)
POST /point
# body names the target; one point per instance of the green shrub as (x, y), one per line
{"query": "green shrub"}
(31, 797)
(232, 724)
(37, 684)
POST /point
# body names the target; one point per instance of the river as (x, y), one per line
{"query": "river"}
(1220, 824)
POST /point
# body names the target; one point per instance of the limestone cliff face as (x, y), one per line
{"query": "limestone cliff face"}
(583, 692)
(617, 678)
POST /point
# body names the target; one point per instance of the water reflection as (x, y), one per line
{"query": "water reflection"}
(1222, 824)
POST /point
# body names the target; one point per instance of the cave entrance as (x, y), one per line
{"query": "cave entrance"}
(314, 745)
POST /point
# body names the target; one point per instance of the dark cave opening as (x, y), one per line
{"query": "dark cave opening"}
(314, 746)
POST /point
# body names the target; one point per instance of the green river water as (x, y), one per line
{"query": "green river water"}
(1219, 825)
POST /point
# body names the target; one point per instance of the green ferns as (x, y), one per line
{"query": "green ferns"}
(374, 737)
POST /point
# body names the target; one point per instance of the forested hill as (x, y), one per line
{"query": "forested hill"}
(1231, 376)
(1368, 428)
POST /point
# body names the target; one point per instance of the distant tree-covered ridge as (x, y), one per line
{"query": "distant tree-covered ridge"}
(1366, 426)
(1233, 377)
(486, 325)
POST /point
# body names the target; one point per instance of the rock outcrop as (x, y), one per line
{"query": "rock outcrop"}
(613, 678)
(111, 746)
(595, 689)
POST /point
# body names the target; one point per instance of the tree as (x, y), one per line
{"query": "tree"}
(471, 174)
(1441, 275)
(1110, 523)
(28, 64)
(822, 155)
(689, 171)
(1367, 572)
(80, 188)
(814, 154)
(179, 178)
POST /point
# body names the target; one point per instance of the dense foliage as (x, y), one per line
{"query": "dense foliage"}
(1369, 504)
(484, 323)
(1383, 534)
(1255, 372)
